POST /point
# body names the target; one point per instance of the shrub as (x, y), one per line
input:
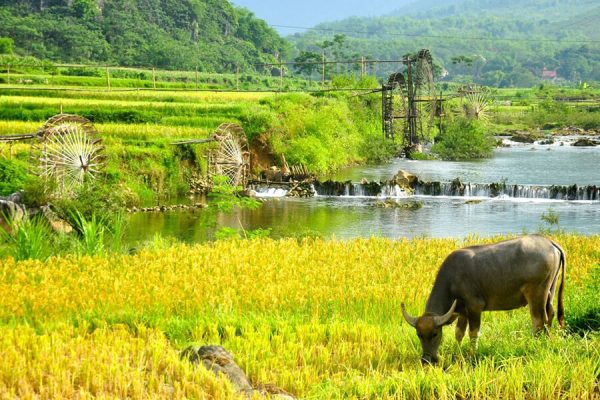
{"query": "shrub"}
(464, 140)
(13, 175)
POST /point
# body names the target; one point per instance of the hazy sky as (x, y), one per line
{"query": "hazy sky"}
(311, 12)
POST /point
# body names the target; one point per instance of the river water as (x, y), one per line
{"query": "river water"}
(439, 216)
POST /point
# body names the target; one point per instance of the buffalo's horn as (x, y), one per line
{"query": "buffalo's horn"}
(412, 321)
(443, 319)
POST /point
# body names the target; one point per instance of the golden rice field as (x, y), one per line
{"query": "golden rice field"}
(319, 318)
(115, 130)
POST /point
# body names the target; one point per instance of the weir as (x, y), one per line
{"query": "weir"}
(446, 189)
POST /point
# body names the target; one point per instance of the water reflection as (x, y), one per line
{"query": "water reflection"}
(439, 217)
(350, 218)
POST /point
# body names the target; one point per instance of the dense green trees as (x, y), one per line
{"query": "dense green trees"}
(211, 35)
(469, 39)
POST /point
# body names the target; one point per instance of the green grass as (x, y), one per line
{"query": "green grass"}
(147, 79)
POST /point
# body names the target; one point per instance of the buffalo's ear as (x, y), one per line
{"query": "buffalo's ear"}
(444, 319)
(412, 321)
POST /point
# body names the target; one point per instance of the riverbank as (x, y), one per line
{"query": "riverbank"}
(322, 133)
(114, 325)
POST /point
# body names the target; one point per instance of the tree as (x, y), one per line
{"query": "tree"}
(85, 9)
(304, 62)
(6, 45)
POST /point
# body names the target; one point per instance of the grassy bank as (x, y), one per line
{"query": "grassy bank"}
(318, 318)
(322, 132)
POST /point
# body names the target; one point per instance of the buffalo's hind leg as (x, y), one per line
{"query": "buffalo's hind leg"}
(549, 308)
(461, 327)
(538, 301)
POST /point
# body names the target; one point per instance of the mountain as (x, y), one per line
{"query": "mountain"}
(522, 9)
(211, 35)
(496, 43)
(312, 12)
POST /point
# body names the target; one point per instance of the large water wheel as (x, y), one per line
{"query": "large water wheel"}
(231, 157)
(68, 151)
(410, 104)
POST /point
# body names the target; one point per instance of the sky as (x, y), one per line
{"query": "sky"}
(311, 12)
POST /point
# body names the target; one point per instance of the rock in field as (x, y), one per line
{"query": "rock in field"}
(220, 361)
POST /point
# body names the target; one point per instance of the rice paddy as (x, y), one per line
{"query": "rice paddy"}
(319, 318)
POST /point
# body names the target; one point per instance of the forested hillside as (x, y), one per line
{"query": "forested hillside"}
(496, 43)
(211, 35)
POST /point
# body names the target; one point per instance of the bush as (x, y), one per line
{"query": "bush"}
(13, 175)
(464, 140)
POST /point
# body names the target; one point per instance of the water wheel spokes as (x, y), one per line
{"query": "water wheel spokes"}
(476, 102)
(231, 157)
(68, 152)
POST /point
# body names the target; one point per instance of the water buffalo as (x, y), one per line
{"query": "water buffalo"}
(500, 276)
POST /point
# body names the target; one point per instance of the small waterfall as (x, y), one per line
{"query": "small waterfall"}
(502, 190)
(272, 192)
(455, 188)
(350, 189)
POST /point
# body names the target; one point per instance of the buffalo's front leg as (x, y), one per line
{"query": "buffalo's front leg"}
(461, 327)
(474, 324)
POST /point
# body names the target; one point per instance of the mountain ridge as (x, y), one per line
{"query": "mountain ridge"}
(501, 50)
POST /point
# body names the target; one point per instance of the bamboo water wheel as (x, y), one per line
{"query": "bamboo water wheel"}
(231, 157)
(67, 150)
(476, 101)
(410, 104)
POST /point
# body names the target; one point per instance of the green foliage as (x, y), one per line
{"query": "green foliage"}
(37, 192)
(13, 175)
(91, 234)
(225, 197)
(30, 239)
(6, 45)
(177, 34)
(550, 29)
(551, 217)
(327, 133)
(93, 198)
(464, 139)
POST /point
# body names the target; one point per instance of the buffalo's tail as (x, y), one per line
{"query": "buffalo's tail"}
(562, 265)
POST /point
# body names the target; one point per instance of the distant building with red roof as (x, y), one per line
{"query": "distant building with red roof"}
(549, 74)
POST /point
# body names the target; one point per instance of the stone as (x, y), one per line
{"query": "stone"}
(523, 137)
(218, 360)
(57, 224)
(405, 205)
(404, 179)
(11, 214)
(585, 142)
(16, 197)
(458, 188)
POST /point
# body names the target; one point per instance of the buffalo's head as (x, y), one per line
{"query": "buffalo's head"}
(429, 331)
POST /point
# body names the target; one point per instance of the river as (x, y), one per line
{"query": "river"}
(439, 216)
